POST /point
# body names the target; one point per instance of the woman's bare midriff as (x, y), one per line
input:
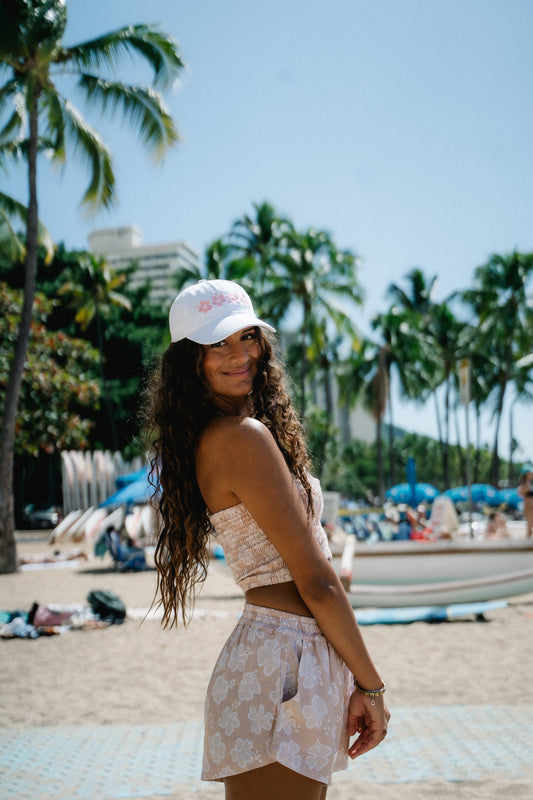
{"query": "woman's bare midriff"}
(282, 596)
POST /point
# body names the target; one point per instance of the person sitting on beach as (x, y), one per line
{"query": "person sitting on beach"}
(496, 526)
(229, 452)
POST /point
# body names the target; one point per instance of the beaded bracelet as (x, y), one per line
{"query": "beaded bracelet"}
(372, 693)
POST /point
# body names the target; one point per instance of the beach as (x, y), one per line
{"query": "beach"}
(137, 674)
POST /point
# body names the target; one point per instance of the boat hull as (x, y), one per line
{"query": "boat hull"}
(411, 562)
(414, 573)
(443, 593)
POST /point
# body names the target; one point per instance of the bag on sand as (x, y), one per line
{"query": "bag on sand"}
(107, 605)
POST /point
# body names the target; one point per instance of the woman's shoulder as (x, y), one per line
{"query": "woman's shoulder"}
(229, 432)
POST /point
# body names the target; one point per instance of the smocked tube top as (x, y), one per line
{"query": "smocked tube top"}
(249, 553)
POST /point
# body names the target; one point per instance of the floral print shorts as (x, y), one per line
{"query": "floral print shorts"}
(279, 692)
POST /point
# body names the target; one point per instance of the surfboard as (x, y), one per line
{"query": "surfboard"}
(392, 616)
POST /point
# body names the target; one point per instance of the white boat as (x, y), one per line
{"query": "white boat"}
(444, 593)
(393, 574)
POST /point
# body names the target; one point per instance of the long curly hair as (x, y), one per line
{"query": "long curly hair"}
(180, 407)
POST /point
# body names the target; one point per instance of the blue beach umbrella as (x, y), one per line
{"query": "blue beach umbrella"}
(484, 493)
(481, 493)
(124, 480)
(403, 493)
(459, 494)
(137, 492)
(511, 498)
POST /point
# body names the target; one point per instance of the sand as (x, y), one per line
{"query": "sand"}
(89, 677)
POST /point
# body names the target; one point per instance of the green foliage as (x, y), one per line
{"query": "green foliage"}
(58, 386)
(133, 334)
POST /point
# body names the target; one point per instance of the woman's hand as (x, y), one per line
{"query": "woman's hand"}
(368, 719)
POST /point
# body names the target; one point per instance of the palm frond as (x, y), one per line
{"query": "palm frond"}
(119, 300)
(9, 90)
(143, 107)
(91, 147)
(56, 123)
(159, 49)
(10, 242)
(15, 126)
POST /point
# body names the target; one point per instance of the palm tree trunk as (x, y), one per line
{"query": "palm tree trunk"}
(391, 435)
(495, 462)
(381, 471)
(303, 365)
(446, 446)
(511, 447)
(477, 454)
(460, 452)
(8, 552)
(437, 416)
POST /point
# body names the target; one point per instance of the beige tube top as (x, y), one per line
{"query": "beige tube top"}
(249, 553)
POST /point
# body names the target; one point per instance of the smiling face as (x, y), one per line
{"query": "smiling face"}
(230, 367)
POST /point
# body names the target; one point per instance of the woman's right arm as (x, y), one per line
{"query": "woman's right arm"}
(256, 473)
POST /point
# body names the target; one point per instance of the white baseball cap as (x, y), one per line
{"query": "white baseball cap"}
(209, 311)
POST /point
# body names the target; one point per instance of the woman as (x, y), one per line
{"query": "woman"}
(230, 453)
(525, 490)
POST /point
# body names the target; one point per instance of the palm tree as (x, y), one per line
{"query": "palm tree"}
(504, 320)
(255, 244)
(218, 264)
(33, 61)
(444, 331)
(404, 332)
(313, 277)
(364, 375)
(419, 297)
(401, 347)
(93, 297)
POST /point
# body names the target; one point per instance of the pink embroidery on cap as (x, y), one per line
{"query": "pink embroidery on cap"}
(236, 298)
(219, 299)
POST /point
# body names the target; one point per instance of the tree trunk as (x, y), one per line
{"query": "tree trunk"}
(511, 479)
(381, 471)
(495, 462)
(392, 469)
(446, 446)
(8, 552)
(477, 454)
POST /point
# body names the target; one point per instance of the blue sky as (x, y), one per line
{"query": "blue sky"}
(403, 127)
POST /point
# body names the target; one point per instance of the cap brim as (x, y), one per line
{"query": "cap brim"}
(208, 334)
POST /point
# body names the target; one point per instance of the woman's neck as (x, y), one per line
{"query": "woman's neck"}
(233, 406)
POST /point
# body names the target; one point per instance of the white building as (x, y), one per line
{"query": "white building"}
(157, 264)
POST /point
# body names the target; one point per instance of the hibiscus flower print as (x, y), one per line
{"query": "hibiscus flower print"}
(289, 754)
(318, 756)
(242, 753)
(220, 689)
(229, 720)
(248, 686)
(310, 671)
(334, 693)
(217, 748)
(316, 713)
(268, 656)
(261, 720)
(238, 658)
(286, 722)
